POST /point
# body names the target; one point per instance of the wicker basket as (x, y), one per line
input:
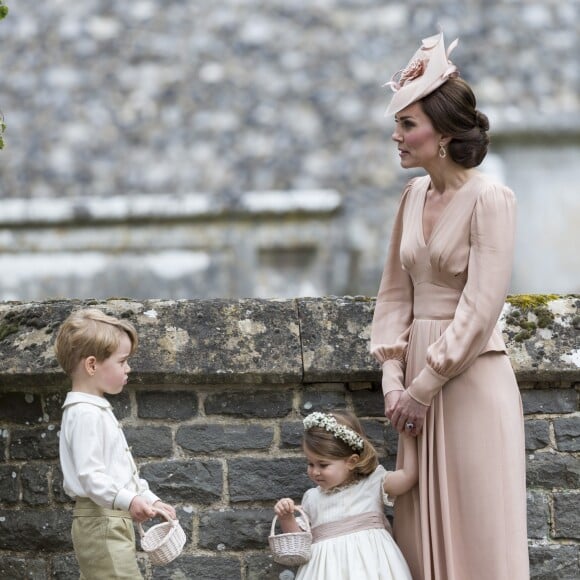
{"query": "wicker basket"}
(163, 542)
(291, 549)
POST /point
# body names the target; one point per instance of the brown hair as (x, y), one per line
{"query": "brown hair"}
(90, 332)
(452, 111)
(321, 442)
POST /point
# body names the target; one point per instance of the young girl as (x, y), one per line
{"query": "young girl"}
(349, 528)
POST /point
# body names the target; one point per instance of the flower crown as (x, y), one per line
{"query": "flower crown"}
(330, 424)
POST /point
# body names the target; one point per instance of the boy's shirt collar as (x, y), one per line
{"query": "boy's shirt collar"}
(74, 397)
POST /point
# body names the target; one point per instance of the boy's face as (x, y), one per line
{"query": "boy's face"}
(111, 374)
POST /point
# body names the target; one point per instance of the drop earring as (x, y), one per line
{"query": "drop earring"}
(442, 151)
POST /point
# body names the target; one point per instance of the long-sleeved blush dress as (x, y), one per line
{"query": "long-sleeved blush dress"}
(435, 333)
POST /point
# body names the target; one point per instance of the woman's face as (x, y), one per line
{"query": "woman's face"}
(416, 139)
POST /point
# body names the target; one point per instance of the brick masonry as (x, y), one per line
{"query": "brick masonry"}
(213, 411)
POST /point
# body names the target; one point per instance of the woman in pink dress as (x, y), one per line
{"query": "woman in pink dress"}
(446, 375)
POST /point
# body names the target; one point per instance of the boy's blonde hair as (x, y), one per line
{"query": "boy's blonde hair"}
(90, 332)
(323, 443)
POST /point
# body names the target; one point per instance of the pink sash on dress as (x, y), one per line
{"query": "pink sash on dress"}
(366, 521)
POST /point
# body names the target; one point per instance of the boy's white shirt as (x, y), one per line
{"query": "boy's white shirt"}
(95, 459)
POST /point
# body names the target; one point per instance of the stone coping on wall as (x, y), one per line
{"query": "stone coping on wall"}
(269, 341)
(21, 212)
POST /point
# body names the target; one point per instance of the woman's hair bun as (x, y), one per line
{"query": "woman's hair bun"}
(481, 120)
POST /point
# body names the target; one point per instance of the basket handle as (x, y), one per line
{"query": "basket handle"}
(297, 508)
(158, 512)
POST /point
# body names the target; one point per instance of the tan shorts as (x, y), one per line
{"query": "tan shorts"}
(104, 542)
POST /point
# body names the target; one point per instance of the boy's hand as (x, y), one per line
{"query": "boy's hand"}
(284, 508)
(140, 510)
(168, 509)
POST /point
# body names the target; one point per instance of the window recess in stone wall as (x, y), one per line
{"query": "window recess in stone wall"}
(289, 272)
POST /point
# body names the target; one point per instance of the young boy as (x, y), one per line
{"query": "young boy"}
(97, 465)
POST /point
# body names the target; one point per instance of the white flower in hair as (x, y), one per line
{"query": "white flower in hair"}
(330, 424)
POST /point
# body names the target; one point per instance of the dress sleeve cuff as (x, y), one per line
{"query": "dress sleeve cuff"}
(123, 500)
(392, 376)
(388, 500)
(426, 385)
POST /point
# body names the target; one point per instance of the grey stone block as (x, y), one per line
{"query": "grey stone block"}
(34, 443)
(20, 408)
(46, 531)
(235, 529)
(549, 401)
(369, 403)
(214, 437)
(263, 567)
(186, 339)
(555, 562)
(376, 433)
(16, 568)
(53, 402)
(291, 434)
(200, 568)
(150, 441)
(121, 403)
(537, 434)
(9, 484)
(331, 339)
(185, 481)
(267, 479)
(567, 515)
(57, 486)
(256, 404)
(65, 567)
(172, 405)
(567, 430)
(320, 398)
(34, 478)
(549, 470)
(538, 515)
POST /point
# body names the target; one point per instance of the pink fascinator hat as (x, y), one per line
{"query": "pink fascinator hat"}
(429, 68)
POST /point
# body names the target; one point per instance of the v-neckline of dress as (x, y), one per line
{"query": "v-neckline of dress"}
(445, 210)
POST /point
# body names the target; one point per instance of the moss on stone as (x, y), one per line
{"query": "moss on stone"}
(524, 304)
(7, 330)
(530, 301)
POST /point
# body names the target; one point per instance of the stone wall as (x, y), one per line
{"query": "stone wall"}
(212, 412)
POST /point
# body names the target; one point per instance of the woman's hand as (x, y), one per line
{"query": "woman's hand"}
(408, 411)
(391, 400)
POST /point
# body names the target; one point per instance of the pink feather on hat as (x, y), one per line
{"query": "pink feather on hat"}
(429, 68)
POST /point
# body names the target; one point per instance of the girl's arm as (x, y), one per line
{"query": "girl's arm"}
(402, 480)
(285, 509)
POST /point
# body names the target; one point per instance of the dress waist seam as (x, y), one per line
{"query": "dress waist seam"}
(350, 525)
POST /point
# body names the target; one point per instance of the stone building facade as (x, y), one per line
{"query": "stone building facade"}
(165, 100)
(213, 413)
